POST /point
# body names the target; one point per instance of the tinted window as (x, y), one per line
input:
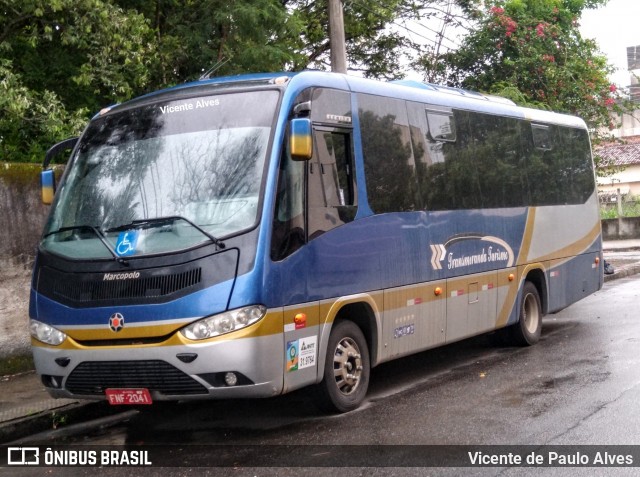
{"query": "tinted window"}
(331, 185)
(498, 157)
(388, 157)
(479, 161)
(331, 106)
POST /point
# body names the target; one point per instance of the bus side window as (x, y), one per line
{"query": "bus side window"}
(331, 190)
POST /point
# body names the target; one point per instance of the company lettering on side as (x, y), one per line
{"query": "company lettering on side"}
(121, 276)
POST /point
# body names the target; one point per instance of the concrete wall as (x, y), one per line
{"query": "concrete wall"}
(22, 216)
(620, 229)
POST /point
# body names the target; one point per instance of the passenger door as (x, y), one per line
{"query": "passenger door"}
(331, 185)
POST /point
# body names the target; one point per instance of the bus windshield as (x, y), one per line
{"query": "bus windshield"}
(198, 159)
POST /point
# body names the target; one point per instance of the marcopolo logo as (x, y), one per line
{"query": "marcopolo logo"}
(116, 322)
(121, 276)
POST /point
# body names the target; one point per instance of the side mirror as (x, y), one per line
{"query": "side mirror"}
(47, 177)
(301, 141)
(48, 184)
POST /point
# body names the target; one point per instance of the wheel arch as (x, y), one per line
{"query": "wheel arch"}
(363, 316)
(537, 277)
(361, 310)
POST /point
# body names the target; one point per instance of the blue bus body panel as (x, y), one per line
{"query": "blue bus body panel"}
(392, 250)
(196, 305)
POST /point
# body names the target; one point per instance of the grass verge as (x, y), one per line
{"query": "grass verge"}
(16, 364)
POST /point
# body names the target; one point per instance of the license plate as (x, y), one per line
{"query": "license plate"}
(119, 397)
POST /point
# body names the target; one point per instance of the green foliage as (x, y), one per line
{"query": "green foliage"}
(630, 208)
(246, 36)
(16, 364)
(372, 47)
(61, 60)
(531, 51)
(58, 420)
(242, 36)
(31, 121)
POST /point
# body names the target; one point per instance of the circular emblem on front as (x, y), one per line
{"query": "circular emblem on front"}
(116, 322)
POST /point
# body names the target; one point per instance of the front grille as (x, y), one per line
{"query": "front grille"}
(150, 280)
(98, 289)
(93, 377)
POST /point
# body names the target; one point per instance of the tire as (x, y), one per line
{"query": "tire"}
(346, 370)
(526, 331)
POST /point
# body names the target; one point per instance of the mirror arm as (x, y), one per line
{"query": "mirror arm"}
(56, 149)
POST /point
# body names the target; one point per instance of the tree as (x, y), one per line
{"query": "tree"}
(241, 36)
(61, 60)
(247, 36)
(31, 120)
(373, 47)
(531, 51)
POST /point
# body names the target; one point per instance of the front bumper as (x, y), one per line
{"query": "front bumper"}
(174, 372)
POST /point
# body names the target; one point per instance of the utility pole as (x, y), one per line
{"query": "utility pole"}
(336, 37)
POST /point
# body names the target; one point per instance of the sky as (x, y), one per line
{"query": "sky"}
(614, 27)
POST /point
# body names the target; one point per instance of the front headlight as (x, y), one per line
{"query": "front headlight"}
(46, 333)
(224, 322)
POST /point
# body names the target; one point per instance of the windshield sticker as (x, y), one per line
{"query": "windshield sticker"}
(475, 249)
(126, 244)
(199, 104)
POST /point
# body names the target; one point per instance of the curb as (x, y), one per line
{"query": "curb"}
(42, 422)
(88, 422)
(623, 272)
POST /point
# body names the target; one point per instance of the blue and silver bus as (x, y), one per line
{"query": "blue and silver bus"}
(248, 236)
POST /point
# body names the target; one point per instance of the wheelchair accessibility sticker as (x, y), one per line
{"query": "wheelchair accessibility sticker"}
(126, 244)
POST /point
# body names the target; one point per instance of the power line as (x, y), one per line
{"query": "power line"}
(404, 27)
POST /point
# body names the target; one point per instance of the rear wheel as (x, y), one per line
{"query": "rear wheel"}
(526, 331)
(346, 369)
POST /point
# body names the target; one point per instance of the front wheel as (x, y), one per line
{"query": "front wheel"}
(346, 369)
(526, 331)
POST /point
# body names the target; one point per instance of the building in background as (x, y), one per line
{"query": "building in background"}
(633, 62)
(625, 156)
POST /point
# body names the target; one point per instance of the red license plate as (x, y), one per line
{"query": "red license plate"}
(119, 397)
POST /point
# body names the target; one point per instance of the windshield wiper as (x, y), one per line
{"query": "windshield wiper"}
(141, 223)
(94, 229)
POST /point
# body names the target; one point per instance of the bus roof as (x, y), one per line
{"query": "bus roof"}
(438, 95)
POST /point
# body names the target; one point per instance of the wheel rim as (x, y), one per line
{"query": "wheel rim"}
(531, 313)
(347, 366)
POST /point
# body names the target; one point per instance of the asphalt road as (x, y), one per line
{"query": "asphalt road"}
(579, 386)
